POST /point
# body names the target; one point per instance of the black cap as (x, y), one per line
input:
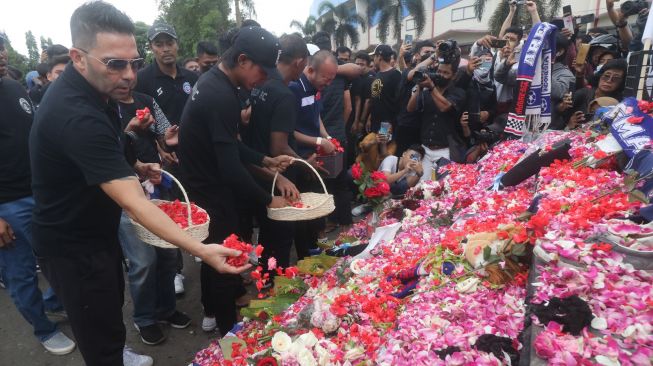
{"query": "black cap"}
(260, 46)
(382, 50)
(322, 39)
(161, 27)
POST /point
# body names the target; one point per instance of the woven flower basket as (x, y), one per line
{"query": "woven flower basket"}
(318, 204)
(199, 232)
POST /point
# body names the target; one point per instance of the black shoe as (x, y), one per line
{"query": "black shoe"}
(151, 334)
(177, 320)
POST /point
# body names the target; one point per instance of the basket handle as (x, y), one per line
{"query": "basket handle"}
(183, 191)
(274, 182)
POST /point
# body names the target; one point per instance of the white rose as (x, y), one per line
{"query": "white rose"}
(606, 361)
(281, 342)
(306, 358)
(330, 323)
(307, 339)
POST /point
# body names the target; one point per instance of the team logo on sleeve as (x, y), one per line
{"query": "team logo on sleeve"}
(27, 107)
(187, 87)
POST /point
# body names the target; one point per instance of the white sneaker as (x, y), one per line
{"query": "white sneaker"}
(209, 324)
(59, 344)
(361, 210)
(179, 284)
(131, 358)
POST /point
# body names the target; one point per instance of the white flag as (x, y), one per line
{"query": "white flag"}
(648, 31)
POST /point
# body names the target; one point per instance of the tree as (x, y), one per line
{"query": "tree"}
(522, 18)
(140, 33)
(195, 20)
(390, 12)
(248, 10)
(33, 53)
(342, 24)
(307, 29)
(45, 43)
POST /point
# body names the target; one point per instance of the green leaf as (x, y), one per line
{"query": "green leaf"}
(636, 196)
(487, 252)
(493, 259)
(518, 250)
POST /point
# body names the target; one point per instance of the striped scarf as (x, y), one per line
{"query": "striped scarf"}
(531, 110)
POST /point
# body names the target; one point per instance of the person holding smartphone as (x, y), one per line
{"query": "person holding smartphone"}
(403, 173)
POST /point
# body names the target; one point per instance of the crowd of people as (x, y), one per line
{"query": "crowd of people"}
(80, 164)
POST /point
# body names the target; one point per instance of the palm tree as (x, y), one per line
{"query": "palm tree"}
(342, 24)
(307, 29)
(521, 18)
(248, 7)
(390, 12)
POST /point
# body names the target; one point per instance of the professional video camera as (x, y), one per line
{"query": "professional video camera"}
(633, 7)
(424, 74)
(448, 52)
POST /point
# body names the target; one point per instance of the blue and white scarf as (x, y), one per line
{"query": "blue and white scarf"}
(533, 101)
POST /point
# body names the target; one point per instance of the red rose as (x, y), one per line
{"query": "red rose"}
(600, 154)
(140, 114)
(373, 192)
(378, 176)
(384, 188)
(356, 171)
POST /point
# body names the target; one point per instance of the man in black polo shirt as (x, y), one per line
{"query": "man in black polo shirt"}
(17, 261)
(271, 132)
(384, 93)
(164, 80)
(81, 181)
(212, 159)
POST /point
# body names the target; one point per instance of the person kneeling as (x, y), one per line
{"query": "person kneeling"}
(404, 172)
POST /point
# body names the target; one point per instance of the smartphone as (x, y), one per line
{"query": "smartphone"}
(408, 39)
(414, 157)
(498, 43)
(385, 128)
(568, 18)
(585, 19)
(581, 56)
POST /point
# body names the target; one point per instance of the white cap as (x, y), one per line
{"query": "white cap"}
(312, 49)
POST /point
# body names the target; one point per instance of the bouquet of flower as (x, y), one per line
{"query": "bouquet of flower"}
(372, 186)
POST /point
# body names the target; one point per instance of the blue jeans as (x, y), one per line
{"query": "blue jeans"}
(18, 267)
(151, 276)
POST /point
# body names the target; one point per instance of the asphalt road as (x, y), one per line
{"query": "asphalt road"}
(18, 346)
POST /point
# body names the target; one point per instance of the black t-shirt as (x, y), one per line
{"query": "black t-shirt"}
(171, 94)
(405, 118)
(384, 98)
(75, 145)
(436, 125)
(333, 108)
(15, 123)
(273, 110)
(209, 151)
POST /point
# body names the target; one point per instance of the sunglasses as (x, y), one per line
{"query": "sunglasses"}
(118, 64)
(611, 77)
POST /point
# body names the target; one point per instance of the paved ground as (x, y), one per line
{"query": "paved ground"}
(19, 347)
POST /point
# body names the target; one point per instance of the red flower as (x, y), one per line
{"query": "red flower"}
(356, 171)
(605, 247)
(140, 113)
(600, 154)
(291, 272)
(635, 120)
(378, 176)
(267, 361)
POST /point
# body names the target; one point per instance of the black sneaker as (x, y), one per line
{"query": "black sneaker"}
(177, 320)
(151, 334)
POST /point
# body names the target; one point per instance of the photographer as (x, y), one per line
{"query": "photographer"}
(562, 84)
(440, 104)
(403, 173)
(407, 132)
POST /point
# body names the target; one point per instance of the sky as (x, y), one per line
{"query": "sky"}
(50, 18)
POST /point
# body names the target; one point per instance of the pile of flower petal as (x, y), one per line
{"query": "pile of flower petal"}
(418, 300)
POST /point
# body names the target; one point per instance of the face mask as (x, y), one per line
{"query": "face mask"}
(482, 75)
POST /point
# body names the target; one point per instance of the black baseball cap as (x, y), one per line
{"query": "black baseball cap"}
(161, 27)
(260, 46)
(382, 50)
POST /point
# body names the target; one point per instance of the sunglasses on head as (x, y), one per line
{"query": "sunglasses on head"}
(118, 64)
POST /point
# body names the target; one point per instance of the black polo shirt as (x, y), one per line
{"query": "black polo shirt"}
(308, 105)
(209, 152)
(333, 108)
(15, 123)
(171, 94)
(75, 145)
(273, 110)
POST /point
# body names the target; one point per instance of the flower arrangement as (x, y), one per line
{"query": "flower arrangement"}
(372, 186)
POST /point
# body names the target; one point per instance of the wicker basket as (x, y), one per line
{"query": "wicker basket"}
(319, 204)
(199, 232)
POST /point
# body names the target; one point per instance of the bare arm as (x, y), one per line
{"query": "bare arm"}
(350, 71)
(128, 194)
(532, 9)
(508, 22)
(348, 109)
(617, 18)
(442, 103)
(412, 102)
(391, 178)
